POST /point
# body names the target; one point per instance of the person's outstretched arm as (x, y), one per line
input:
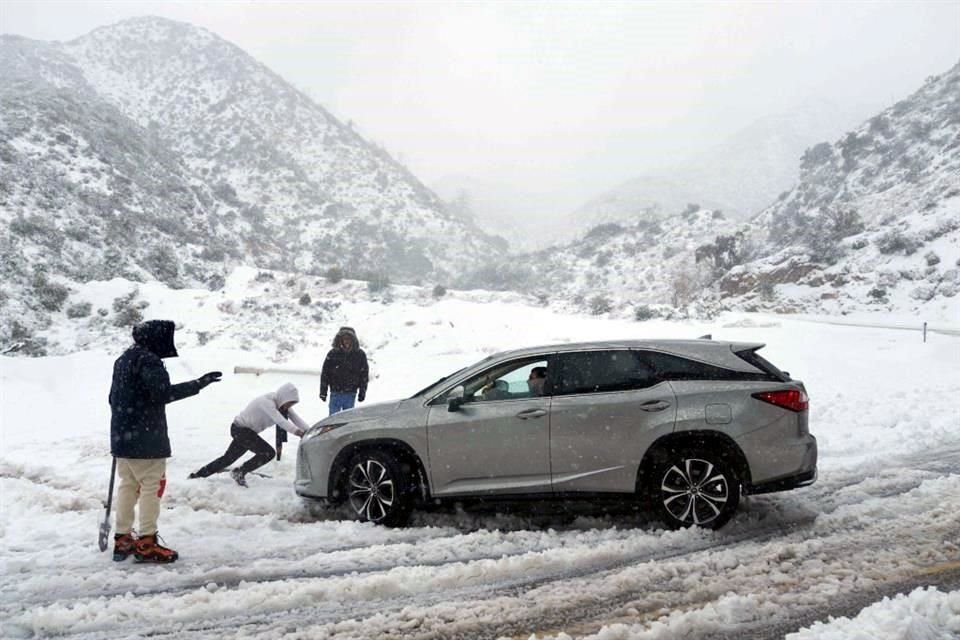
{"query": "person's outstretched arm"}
(277, 418)
(297, 420)
(157, 381)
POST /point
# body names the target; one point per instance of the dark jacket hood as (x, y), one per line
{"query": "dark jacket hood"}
(346, 331)
(156, 336)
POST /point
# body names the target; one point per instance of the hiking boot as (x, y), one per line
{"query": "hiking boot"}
(123, 545)
(239, 476)
(149, 550)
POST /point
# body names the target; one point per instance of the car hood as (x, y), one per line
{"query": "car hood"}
(368, 412)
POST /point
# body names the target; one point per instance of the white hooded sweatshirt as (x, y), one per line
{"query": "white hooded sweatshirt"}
(264, 411)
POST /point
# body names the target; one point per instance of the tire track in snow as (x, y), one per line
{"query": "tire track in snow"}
(466, 613)
(338, 611)
(945, 577)
(566, 610)
(513, 590)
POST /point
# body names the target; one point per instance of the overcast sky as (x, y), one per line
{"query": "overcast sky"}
(561, 98)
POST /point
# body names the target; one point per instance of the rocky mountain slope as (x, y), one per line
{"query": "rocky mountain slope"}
(152, 149)
(872, 224)
(874, 220)
(85, 193)
(272, 153)
(619, 267)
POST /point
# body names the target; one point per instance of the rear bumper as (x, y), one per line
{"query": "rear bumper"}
(783, 484)
(802, 473)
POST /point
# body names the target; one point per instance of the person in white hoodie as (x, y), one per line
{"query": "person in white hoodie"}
(264, 411)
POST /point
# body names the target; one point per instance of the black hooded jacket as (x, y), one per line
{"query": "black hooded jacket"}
(140, 391)
(345, 371)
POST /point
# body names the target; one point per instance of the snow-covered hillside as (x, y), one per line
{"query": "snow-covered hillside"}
(337, 199)
(881, 520)
(874, 221)
(154, 150)
(274, 315)
(616, 267)
(872, 225)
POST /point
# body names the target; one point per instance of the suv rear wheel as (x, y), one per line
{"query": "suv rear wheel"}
(694, 487)
(377, 488)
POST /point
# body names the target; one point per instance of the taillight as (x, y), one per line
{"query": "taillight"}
(792, 399)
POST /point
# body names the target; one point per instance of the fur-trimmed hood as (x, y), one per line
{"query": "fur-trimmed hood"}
(346, 331)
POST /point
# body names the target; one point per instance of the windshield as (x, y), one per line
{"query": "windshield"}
(434, 383)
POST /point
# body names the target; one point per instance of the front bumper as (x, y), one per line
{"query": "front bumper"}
(312, 474)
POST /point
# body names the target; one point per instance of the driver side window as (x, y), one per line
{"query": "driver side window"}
(506, 381)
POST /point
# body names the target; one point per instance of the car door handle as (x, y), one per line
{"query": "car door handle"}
(531, 413)
(654, 405)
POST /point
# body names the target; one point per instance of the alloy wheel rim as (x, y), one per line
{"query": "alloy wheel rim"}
(371, 490)
(693, 492)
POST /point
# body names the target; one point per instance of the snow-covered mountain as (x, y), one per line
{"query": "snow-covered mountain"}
(740, 176)
(86, 193)
(154, 149)
(622, 267)
(872, 224)
(874, 220)
(265, 146)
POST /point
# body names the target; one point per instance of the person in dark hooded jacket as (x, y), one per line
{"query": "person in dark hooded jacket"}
(345, 372)
(139, 394)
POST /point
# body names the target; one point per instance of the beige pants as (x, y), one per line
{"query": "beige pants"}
(140, 482)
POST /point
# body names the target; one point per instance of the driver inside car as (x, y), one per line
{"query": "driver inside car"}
(536, 380)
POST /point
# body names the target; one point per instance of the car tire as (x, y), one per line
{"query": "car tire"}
(694, 487)
(377, 489)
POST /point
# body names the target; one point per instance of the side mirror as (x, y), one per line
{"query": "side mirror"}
(455, 398)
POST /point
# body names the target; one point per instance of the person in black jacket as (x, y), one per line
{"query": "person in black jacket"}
(139, 394)
(345, 372)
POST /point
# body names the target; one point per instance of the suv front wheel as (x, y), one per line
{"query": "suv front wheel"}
(377, 489)
(693, 487)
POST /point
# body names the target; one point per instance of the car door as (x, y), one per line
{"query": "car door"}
(497, 440)
(608, 406)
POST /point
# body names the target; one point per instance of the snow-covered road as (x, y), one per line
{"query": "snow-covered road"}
(883, 518)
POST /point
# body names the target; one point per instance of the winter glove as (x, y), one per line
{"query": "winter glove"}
(207, 378)
(362, 396)
(323, 397)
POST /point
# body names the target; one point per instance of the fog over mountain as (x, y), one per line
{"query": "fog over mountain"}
(740, 176)
(873, 222)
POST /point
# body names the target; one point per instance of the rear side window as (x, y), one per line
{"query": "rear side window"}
(600, 371)
(671, 367)
(754, 358)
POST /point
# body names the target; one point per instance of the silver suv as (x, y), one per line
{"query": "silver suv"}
(685, 426)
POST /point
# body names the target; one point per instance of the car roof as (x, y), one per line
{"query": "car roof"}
(691, 348)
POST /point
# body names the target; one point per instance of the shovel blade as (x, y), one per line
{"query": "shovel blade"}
(104, 533)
